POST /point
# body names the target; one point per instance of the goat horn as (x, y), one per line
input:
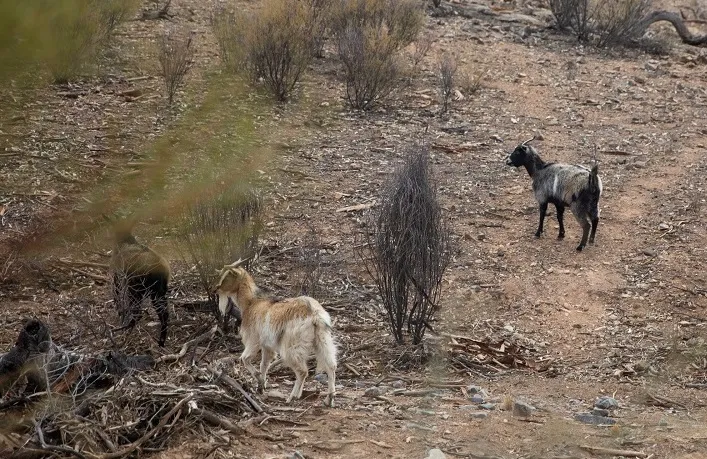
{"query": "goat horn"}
(528, 141)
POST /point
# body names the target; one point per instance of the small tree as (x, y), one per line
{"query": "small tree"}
(447, 75)
(175, 57)
(409, 247)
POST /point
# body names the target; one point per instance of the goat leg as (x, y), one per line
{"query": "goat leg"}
(560, 220)
(543, 211)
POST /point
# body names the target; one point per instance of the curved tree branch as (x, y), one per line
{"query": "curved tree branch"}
(678, 23)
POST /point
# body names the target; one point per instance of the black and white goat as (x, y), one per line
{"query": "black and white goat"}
(564, 185)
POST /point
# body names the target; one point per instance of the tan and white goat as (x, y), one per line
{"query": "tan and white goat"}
(296, 328)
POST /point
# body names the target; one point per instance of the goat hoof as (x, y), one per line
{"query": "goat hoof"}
(561, 236)
(579, 248)
(537, 235)
(329, 401)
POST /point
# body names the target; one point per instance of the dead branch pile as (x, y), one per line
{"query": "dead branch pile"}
(495, 354)
(108, 406)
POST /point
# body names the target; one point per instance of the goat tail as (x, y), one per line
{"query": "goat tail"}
(324, 346)
(594, 186)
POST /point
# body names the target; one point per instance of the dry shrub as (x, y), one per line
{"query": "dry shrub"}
(409, 247)
(447, 67)
(273, 45)
(470, 81)
(370, 35)
(620, 21)
(574, 15)
(307, 269)
(217, 230)
(422, 47)
(175, 56)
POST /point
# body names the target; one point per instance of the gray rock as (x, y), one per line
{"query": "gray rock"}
(588, 418)
(606, 403)
(479, 415)
(488, 406)
(600, 412)
(399, 384)
(321, 378)
(473, 389)
(522, 409)
(477, 398)
(295, 455)
(435, 453)
(373, 392)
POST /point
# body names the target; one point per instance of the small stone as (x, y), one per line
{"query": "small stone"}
(276, 394)
(522, 409)
(488, 406)
(650, 253)
(435, 453)
(474, 389)
(398, 384)
(663, 226)
(600, 412)
(607, 403)
(321, 378)
(479, 415)
(295, 455)
(594, 420)
(508, 328)
(477, 398)
(639, 79)
(481, 236)
(373, 392)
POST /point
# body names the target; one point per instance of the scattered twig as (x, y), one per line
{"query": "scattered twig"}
(612, 452)
(186, 346)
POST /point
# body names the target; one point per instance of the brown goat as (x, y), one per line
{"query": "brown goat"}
(295, 328)
(138, 272)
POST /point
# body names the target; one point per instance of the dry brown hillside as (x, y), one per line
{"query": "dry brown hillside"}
(525, 320)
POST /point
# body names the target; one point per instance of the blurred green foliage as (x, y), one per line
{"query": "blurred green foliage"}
(55, 38)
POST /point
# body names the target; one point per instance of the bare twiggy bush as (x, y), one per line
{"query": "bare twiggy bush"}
(175, 55)
(218, 229)
(318, 16)
(409, 247)
(422, 47)
(574, 15)
(370, 35)
(371, 64)
(307, 269)
(115, 12)
(620, 21)
(227, 26)
(447, 67)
